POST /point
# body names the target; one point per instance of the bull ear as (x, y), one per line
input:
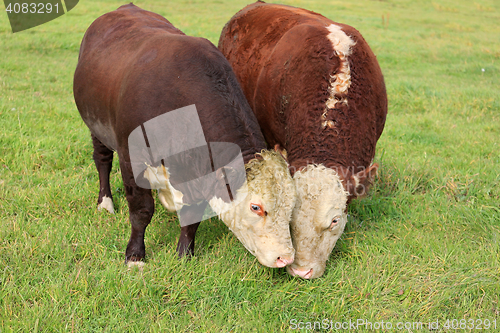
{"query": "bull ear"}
(280, 150)
(361, 181)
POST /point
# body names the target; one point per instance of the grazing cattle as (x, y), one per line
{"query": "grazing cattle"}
(317, 91)
(134, 67)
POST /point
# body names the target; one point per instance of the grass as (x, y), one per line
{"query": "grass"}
(423, 246)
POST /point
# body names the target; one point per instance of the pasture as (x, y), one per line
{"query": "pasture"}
(423, 246)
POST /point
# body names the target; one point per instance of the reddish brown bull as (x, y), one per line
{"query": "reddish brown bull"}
(135, 67)
(317, 91)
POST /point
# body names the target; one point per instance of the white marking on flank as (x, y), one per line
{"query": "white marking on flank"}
(107, 204)
(341, 81)
(159, 178)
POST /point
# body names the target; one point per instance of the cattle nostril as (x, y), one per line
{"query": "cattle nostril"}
(282, 262)
(308, 274)
(305, 274)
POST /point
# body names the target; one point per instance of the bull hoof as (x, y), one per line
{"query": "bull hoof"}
(138, 264)
(107, 203)
(184, 252)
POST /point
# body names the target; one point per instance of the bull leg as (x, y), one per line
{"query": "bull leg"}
(103, 158)
(141, 210)
(190, 217)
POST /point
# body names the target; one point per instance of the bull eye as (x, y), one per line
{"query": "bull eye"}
(257, 209)
(335, 221)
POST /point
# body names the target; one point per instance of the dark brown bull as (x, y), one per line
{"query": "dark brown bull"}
(317, 90)
(135, 66)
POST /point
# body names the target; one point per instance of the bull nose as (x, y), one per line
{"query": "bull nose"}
(305, 274)
(283, 261)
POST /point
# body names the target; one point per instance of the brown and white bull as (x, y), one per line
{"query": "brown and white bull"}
(317, 91)
(135, 66)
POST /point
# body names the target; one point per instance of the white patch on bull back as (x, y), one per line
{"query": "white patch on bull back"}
(270, 185)
(328, 123)
(341, 81)
(107, 204)
(158, 178)
(320, 198)
(356, 181)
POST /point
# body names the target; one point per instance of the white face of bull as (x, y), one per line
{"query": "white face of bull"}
(318, 219)
(261, 221)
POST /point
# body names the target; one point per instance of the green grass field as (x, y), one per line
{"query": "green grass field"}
(424, 246)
